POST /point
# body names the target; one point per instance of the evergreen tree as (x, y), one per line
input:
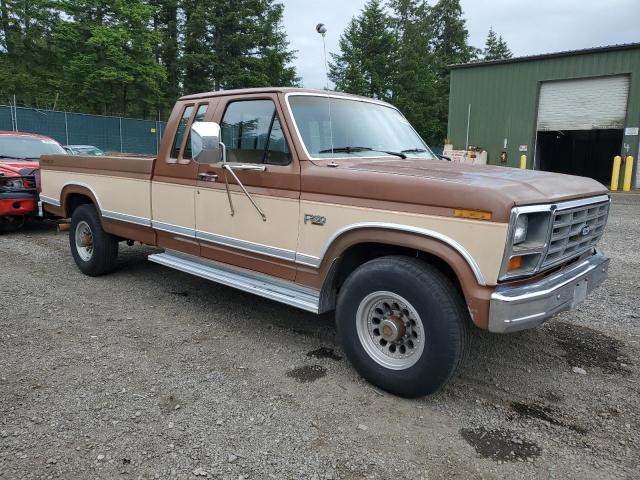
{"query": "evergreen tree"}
(365, 65)
(235, 44)
(166, 23)
(450, 38)
(496, 47)
(449, 45)
(135, 57)
(28, 52)
(415, 78)
(346, 70)
(109, 63)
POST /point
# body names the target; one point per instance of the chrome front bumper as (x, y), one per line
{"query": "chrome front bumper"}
(514, 308)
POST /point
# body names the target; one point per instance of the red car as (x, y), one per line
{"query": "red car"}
(19, 175)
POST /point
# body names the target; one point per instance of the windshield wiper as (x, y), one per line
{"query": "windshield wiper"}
(361, 149)
(414, 150)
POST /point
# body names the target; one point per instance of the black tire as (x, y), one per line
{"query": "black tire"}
(440, 307)
(104, 255)
(11, 224)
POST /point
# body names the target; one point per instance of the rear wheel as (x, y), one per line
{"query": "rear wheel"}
(94, 250)
(403, 325)
(11, 223)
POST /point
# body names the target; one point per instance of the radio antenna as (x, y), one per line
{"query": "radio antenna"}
(321, 28)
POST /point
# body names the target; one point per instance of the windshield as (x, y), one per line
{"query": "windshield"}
(27, 148)
(344, 128)
(86, 150)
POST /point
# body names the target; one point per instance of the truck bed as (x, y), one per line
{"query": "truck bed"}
(119, 185)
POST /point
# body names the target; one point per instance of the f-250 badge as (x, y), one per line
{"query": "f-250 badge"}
(314, 219)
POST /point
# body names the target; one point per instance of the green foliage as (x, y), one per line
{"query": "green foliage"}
(401, 51)
(135, 57)
(366, 62)
(250, 48)
(496, 47)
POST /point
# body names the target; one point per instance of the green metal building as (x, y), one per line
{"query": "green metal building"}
(569, 112)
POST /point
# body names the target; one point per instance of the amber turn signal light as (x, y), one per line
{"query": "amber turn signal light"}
(515, 263)
(475, 214)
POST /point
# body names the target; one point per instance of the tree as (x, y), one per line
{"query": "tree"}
(166, 23)
(496, 47)
(135, 57)
(109, 57)
(27, 52)
(450, 38)
(415, 77)
(365, 65)
(450, 46)
(235, 44)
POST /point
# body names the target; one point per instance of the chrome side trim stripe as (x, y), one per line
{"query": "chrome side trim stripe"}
(168, 227)
(247, 246)
(263, 285)
(404, 228)
(308, 260)
(50, 201)
(125, 217)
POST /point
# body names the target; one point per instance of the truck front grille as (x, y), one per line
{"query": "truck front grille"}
(575, 231)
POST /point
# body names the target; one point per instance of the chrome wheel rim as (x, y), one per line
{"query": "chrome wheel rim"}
(84, 241)
(390, 330)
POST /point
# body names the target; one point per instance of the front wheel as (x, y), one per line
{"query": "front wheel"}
(403, 325)
(94, 250)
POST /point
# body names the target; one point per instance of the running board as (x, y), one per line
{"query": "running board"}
(263, 285)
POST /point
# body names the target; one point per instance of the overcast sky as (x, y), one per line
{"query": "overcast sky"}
(529, 27)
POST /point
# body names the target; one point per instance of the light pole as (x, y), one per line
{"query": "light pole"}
(322, 30)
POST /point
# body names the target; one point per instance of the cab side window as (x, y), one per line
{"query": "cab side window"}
(182, 127)
(200, 114)
(252, 133)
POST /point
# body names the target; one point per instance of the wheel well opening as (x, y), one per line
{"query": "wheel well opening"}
(74, 200)
(358, 255)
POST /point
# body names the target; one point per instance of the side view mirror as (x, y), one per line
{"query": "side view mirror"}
(205, 142)
(444, 157)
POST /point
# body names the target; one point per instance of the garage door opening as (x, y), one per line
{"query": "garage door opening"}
(580, 125)
(588, 153)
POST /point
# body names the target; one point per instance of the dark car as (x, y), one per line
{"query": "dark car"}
(83, 150)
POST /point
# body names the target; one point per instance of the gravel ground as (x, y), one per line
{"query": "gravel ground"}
(151, 373)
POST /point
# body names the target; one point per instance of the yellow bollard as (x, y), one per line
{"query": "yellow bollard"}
(628, 168)
(615, 173)
(523, 162)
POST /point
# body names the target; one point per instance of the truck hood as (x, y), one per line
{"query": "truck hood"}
(14, 168)
(419, 185)
(516, 186)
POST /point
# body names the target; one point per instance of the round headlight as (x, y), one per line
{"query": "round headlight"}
(520, 231)
(14, 184)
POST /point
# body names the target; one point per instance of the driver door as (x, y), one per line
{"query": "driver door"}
(255, 227)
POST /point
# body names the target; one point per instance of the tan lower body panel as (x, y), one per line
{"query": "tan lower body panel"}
(483, 241)
(119, 195)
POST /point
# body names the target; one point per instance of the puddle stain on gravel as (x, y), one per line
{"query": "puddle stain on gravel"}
(168, 403)
(308, 373)
(545, 413)
(586, 347)
(500, 445)
(180, 294)
(324, 352)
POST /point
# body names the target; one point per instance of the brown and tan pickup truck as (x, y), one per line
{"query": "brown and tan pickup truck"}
(326, 201)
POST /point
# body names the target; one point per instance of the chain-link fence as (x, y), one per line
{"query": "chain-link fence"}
(111, 134)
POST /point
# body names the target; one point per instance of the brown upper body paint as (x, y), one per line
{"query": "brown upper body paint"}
(414, 186)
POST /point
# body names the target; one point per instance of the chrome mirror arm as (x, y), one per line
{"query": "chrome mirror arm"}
(226, 180)
(229, 169)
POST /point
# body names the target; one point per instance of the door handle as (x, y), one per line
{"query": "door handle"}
(208, 177)
(247, 167)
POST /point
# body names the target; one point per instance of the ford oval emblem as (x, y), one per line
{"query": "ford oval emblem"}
(586, 230)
